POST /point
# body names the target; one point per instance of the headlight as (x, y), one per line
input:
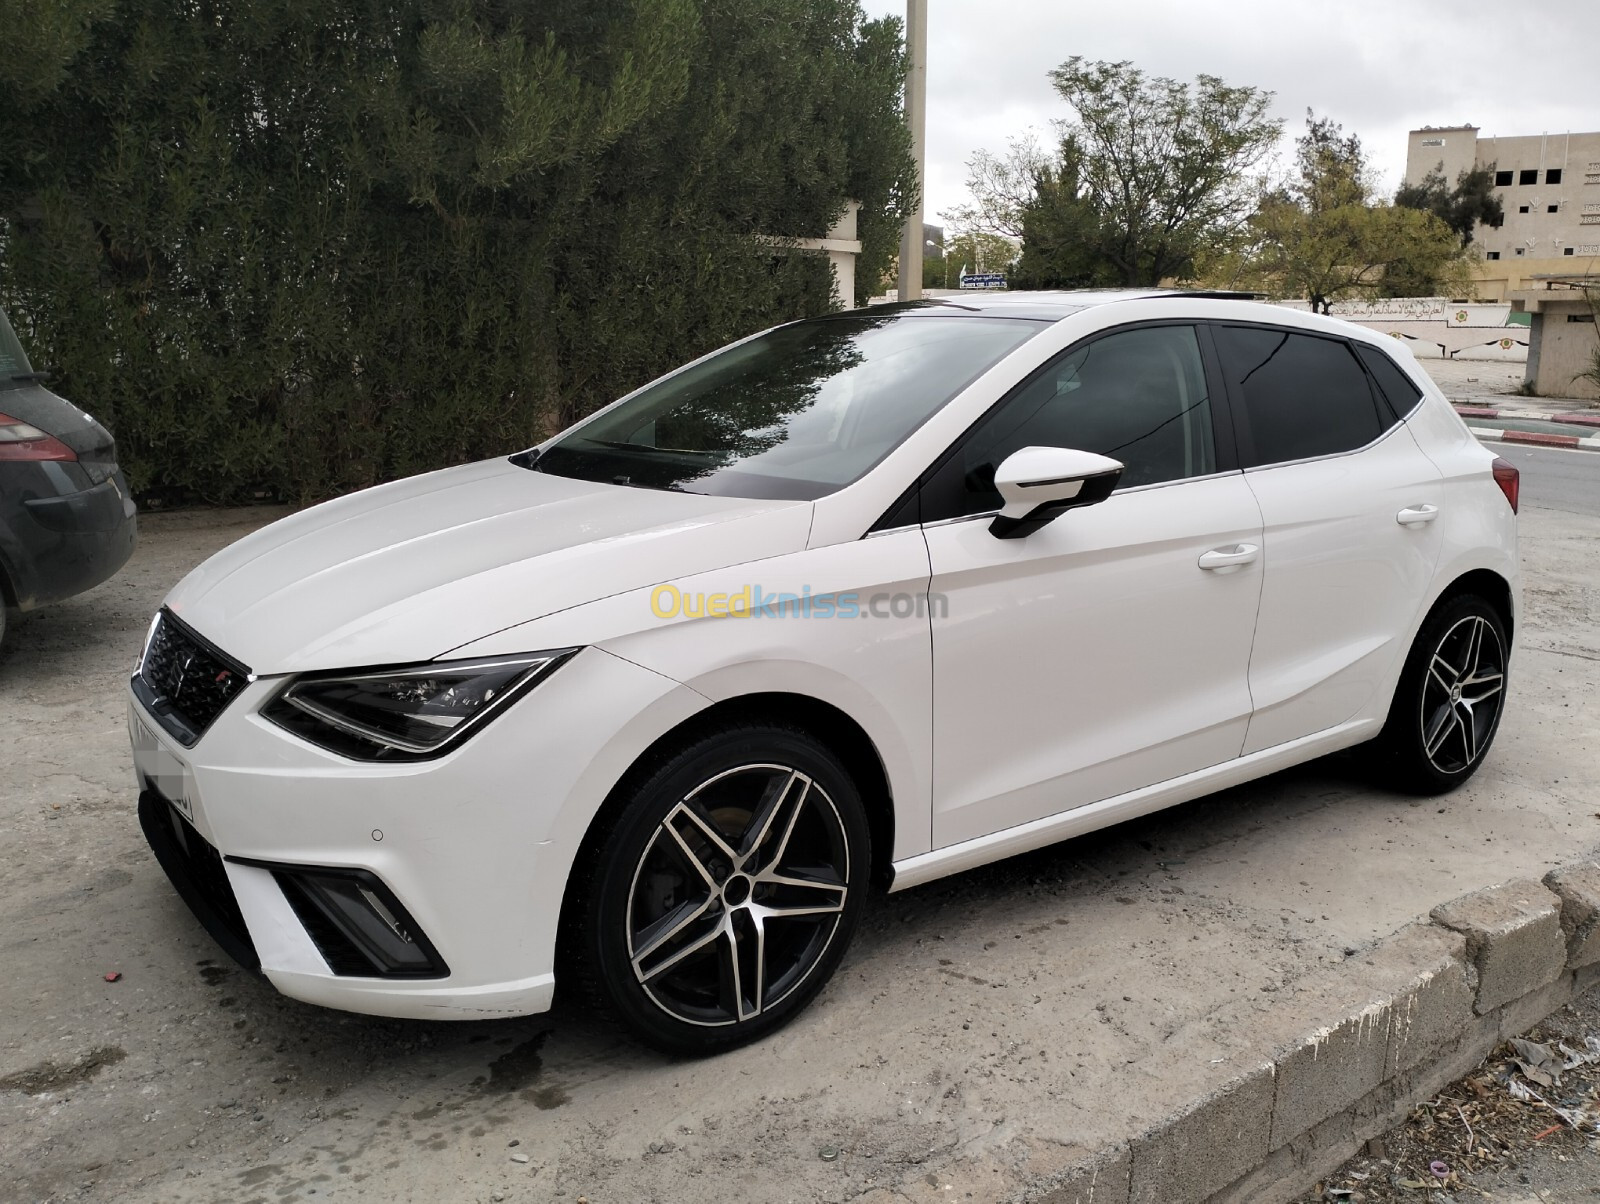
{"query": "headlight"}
(409, 713)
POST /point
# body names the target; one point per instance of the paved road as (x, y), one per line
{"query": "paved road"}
(1555, 479)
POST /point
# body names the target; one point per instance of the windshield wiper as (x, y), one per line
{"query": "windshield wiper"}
(650, 450)
(31, 376)
(671, 487)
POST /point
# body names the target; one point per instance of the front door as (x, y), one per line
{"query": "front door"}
(1110, 649)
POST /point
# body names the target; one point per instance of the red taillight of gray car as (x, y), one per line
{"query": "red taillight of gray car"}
(23, 441)
(1509, 479)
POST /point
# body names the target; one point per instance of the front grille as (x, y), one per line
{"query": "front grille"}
(184, 681)
(197, 872)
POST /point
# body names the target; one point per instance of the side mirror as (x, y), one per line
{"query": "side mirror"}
(1038, 483)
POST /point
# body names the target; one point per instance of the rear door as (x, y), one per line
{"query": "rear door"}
(1349, 507)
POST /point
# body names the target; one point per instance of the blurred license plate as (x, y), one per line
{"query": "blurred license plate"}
(164, 771)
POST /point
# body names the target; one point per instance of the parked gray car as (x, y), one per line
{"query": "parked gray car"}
(67, 520)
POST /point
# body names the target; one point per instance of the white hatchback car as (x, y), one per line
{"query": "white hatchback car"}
(878, 596)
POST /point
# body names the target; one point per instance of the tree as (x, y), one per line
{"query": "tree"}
(1166, 166)
(1332, 168)
(980, 251)
(1462, 208)
(1348, 250)
(295, 248)
(1321, 237)
(1002, 187)
(1063, 235)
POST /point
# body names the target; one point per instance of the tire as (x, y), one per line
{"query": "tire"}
(723, 896)
(1448, 704)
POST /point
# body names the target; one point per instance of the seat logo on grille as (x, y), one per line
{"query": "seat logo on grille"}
(183, 675)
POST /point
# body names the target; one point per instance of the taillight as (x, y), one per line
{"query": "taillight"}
(23, 441)
(1509, 479)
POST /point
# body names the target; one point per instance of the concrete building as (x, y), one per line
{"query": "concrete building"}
(1549, 185)
(1562, 334)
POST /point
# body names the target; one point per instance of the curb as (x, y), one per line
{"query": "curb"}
(1380, 1034)
(1535, 438)
(1490, 965)
(1575, 419)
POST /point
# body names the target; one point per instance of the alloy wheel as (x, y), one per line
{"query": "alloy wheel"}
(737, 895)
(1462, 694)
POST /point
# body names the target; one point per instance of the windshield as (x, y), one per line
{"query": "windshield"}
(12, 361)
(795, 413)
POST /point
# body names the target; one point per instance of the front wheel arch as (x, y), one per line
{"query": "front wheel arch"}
(730, 863)
(826, 723)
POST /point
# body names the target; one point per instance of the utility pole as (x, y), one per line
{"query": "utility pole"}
(916, 118)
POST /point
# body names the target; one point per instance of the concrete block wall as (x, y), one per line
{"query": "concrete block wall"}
(1435, 1001)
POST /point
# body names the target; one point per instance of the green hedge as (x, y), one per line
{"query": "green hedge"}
(293, 247)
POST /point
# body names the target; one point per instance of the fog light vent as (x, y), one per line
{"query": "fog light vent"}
(356, 923)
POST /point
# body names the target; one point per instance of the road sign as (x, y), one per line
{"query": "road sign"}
(984, 280)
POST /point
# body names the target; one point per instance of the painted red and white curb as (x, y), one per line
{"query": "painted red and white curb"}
(1486, 434)
(1592, 418)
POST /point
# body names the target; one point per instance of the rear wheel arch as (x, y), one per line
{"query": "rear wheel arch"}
(1486, 584)
(1450, 695)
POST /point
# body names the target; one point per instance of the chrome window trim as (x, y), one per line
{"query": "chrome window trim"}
(1354, 451)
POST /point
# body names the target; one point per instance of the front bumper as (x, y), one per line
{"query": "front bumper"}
(60, 536)
(473, 850)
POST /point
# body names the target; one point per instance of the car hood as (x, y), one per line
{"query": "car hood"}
(406, 572)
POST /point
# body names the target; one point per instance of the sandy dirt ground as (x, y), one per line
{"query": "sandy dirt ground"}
(1015, 1013)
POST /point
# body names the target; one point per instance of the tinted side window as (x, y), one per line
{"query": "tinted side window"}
(1303, 396)
(1398, 389)
(1138, 396)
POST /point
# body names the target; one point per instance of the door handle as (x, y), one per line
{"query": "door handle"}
(1413, 516)
(1224, 560)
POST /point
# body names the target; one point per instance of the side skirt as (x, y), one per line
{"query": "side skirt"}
(1008, 842)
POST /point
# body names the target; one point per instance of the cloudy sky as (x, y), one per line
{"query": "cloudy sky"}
(1379, 69)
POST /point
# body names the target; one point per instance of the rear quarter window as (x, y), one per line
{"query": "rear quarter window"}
(1397, 388)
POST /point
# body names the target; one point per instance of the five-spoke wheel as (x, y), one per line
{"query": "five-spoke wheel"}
(1462, 694)
(726, 893)
(1450, 697)
(737, 894)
